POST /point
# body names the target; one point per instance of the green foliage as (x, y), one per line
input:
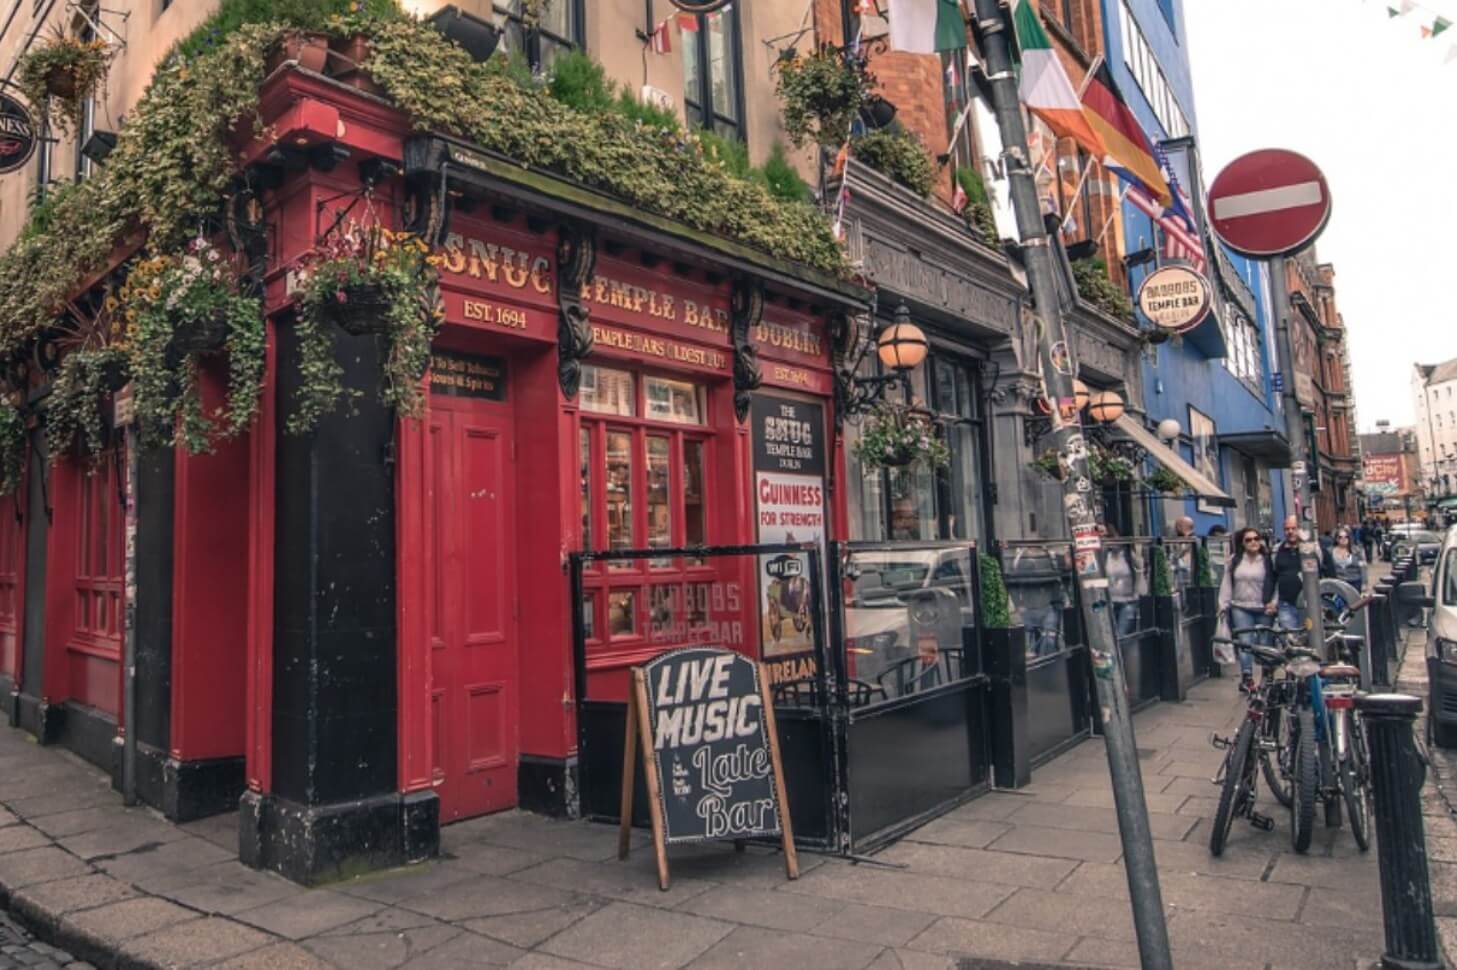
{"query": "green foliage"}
(579, 82)
(782, 179)
(165, 296)
(355, 261)
(978, 212)
(1203, 568)
(1163, 578)
(1095, 286)
(821, 94)
(67, 59)
(1107, 467)
(1047, 464)
(661, 170)
(75, 410)
(899, 154)
(316, 15)
(893, 435)
(12, 447)
(1164, 480)
(996, 605)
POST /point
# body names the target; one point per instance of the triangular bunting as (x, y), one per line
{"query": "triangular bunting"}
(1439, 25)
(1426, 32)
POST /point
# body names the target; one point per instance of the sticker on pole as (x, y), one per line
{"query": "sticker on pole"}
(1175, 298)
(1270, 202)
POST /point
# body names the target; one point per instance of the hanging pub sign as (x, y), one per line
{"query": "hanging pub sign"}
(789, 496)
(700, 6)
(1175, 298)
(710, 754)
(17, 134)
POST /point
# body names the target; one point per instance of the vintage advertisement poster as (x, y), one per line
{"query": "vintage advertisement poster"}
(789, 497)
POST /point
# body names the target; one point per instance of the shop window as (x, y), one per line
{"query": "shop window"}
(622, 613)
(660, 507)
(695, 517)
(558, 31)
(677, 401)
(586, 478)
(607, 391)
(619, 493)
(98, 559)
(713, 71)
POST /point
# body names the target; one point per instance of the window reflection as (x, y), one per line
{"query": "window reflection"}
(622, 613)
(660, 514)
(586, 476)
(619, 493)
(695, 512)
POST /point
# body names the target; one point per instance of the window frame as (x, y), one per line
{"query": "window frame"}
(508, 12)
(708, 113)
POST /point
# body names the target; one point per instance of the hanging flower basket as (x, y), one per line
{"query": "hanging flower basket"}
(200, 335)
(66, 68)
(309, 50)
(358, 309)
(896, 436)
(114, 374)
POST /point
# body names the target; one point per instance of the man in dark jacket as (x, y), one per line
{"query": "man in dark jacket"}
(1289, 581)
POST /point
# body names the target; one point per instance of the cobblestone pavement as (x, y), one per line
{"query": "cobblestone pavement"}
(1031, 878)
(19, 951)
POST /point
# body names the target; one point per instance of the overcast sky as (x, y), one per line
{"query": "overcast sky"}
(1370, 102)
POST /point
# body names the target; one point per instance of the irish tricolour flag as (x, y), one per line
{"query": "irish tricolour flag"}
(926, 26)
(1045, 88)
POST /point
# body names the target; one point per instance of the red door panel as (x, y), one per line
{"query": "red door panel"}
(474, 642)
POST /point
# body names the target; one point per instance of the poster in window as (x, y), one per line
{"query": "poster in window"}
(789, 495)
(1206, 453)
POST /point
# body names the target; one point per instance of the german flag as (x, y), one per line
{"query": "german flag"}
(1130, 154)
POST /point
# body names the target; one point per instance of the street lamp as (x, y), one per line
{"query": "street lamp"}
(1169, 429)
(1105, 407)
(902, 346)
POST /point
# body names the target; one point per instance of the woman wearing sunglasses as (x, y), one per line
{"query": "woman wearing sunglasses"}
(1349, 562)
(1247, 594)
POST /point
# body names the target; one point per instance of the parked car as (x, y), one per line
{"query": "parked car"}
(1441, 599)
(1395, 533)
(1425, 545)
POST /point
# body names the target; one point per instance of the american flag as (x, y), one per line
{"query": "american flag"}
(1179, 242)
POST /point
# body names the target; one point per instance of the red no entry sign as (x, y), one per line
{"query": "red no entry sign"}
(1269, 203)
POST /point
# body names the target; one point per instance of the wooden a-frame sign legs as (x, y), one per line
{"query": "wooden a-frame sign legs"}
(639, 740)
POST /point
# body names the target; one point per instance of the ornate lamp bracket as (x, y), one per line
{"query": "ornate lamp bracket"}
(576, 259)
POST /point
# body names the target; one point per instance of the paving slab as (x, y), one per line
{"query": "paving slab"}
(777, 911)
(209, 939)
(29, 866)
(1005, 868)
(1061, 843)
(309, 914)
(1066, 913)
(627, 936)
(752, 946)
(382, 950)
(997, 941)
(875, 924)
(279, 956)
(634, 879)
(529, 927)
(921, 893)
(465, 950)
(62, 896)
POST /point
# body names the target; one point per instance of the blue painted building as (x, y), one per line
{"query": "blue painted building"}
(1215, 381)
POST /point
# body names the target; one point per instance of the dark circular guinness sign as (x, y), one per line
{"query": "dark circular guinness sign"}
(17, 134)
(700, 6)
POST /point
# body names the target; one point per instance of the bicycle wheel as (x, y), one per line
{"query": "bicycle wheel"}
(1303, 781)
(1275, 753)
(1238, 786)
(1357, 785)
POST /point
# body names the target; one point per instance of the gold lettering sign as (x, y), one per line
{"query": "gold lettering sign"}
(787, 338)
(464, 375)
(791, 375)
(502, 316)
(658, 347)
(516, 268)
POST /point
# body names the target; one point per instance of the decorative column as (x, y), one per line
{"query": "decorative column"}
(334, 808)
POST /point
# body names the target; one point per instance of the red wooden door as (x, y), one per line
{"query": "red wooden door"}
(474, 668)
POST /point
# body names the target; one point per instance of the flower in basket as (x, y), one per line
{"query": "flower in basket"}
(365, 280)
(178, 307)
(67, 68)
(895, 435)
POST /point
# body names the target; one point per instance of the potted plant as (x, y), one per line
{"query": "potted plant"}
(894, 436)
(310, 50)
(1096, 287)
(67, 68)
(977, 212)
(821, 94)
(365, 280)
(177, 309)
(898, 154)
(75, 412)
(1047, 464)
(1107, 467)
(1163, 480)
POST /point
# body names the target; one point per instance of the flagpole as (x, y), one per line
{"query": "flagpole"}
(1087, 169)
(994, 31)
(1088, 77)
(1112, 214)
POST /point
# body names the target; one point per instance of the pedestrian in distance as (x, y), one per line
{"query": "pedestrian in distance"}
(1348, 560)
(1247, 595)
(1181, 554)
(1125, 581)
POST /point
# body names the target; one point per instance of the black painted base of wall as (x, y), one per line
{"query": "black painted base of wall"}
(9, 701)
(185, 791)
(313, 845)
(548, 786)
(92, 735)
(43, 721)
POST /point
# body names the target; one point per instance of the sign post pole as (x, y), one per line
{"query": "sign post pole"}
(1057, 388)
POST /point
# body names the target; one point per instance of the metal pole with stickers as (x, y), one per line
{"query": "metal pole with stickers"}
(1057, 368)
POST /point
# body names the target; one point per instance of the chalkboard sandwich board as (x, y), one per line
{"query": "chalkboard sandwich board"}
(710, 753)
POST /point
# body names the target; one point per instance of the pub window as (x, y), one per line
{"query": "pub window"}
(558, 31)
(713, 71)
(644, 485)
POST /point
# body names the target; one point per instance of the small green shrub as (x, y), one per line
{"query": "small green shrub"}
(996, 605)
(898, 154)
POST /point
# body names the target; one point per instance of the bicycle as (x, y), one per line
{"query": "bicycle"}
(1238, 777)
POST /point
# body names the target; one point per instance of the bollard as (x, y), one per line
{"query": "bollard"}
(1397, 773)
(1378, 637)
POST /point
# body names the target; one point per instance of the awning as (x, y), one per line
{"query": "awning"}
(1204, 488)
(1267, 445)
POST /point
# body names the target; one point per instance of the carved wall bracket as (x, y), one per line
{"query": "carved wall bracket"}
(747, 310)
(576, 260)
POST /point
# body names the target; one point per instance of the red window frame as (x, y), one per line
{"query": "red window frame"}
(99, 563)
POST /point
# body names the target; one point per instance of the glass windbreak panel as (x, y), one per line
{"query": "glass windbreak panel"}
(905, 613)
(589, 615)
(912, 503)
(1183, 562)
(964, 497)
(660, 505)
(622, 613)
(695, 511)
(722, 45)
(1126, 565)
(618, 487)
(586, 475)
(676, 401)
(1039, 584)
(606, 391)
